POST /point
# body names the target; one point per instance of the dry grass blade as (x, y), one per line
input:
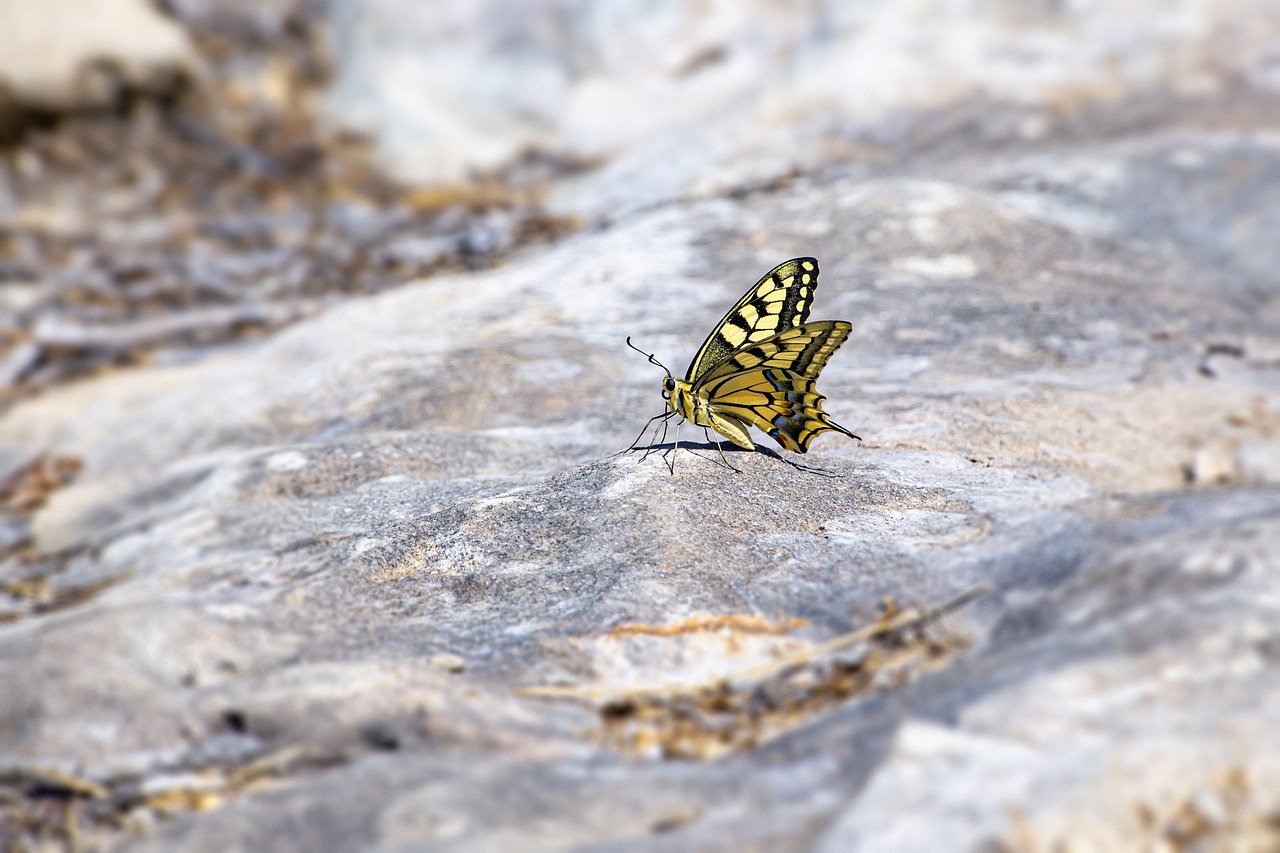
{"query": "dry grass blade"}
(50, 782)
(26, 488)
(748, 707)
(893, 620)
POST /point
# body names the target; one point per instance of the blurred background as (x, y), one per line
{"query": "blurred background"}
(183, 172)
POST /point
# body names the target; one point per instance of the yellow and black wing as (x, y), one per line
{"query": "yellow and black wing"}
(770, 384)
(776, 303)
(804, 350)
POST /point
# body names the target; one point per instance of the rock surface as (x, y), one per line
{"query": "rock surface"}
(299, 583)
(726, 94)
(76, 54)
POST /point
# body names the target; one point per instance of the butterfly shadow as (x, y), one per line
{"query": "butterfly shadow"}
(808, 469)
(723, 448)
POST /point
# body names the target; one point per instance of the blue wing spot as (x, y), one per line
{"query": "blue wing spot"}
(773, 380)
(779, 421)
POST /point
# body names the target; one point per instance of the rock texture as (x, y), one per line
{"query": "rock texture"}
(294, 593)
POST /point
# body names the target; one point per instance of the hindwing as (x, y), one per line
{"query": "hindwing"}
(770, 384)
(777, 302)
(782, 404)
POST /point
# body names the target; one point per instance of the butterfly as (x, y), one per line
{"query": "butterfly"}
(759, 367)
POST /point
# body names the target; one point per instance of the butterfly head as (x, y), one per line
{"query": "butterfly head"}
(676, 392)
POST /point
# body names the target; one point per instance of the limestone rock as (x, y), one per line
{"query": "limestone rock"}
(262, 581)
(727, 95)
(75, 54)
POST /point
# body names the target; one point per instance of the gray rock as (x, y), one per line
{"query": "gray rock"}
(727, 97)
(339, 554)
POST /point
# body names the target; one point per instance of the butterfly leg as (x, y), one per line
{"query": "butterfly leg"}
(675, 448)
(645, 428)
(657, 439)
(720, 448)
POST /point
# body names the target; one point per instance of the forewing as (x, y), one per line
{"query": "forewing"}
(803, 350)
(782, 404)
(777, 302)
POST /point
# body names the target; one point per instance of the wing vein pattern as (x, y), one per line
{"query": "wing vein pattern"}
(776, 303)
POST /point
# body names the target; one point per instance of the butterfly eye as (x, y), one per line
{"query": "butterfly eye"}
(669, 384)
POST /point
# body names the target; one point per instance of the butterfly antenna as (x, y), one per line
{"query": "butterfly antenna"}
(649, 356)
